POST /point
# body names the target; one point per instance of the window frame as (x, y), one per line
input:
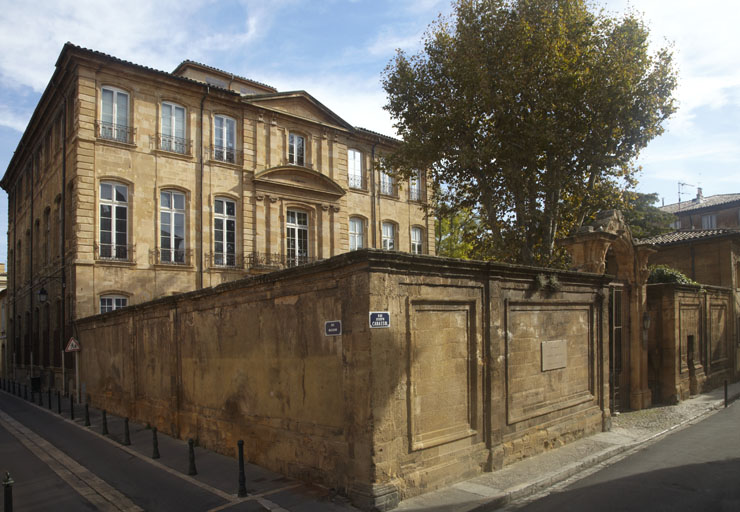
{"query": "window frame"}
(118, 251)
(387, 185)
(709, 221)
(113, 297)
(293, 157)
(416, 244)
(224, 153)
(224, 257)
(355, 234)
(355, 176)
(172, 255)
(294, 256)
(114, 129)
(171, 141)
(393, 245)
(415, 187)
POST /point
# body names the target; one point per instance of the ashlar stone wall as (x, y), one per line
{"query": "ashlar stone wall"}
(479, 365)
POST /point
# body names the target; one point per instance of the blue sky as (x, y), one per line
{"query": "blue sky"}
(337, 49)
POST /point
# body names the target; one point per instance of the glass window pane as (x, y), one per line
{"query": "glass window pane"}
(179, 201)
(219, 206)
(230, 208)
(180, 122)
(106, 191)
(166, 119)
(121, 193)
(230, 133)
(164, 199)
(107, 116)
(122, 109)
(218, 137)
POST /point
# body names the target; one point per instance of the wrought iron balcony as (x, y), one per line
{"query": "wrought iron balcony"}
(174, 256)
(173, 144)
(118, 132)
(224, 154)
(388, 188)
(114, 252)
(277, 261)
(357, 181)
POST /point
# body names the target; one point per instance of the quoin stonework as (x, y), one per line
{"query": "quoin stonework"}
(131, 184)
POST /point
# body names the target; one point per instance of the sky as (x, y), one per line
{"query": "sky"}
(337, 49)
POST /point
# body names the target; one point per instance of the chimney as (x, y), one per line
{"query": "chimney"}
(699, 195)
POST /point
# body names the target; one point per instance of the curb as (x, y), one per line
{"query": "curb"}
(531, 488)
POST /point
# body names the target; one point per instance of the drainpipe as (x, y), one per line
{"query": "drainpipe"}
(374, 221)
(63, 216)
(202, 208)
(31, 339)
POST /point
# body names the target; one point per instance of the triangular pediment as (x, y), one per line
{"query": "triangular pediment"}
(299, 178)
(300, 104)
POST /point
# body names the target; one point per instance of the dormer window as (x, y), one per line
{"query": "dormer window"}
(296, 149)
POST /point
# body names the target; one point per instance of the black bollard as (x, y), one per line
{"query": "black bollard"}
(49, 393)
(191, 458)
(242, 480)
(25, 391)
(71, 407)
(59, 402)
(8, 492)
(126, 435)
(155, 444)
(725, 394)
(41, 399)
(105, 423)
(87, 415)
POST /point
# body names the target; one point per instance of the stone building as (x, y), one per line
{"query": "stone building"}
(711, 212)
(131, 184)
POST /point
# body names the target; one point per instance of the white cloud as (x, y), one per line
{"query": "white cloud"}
(13, 119)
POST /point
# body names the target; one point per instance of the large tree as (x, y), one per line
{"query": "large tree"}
(530, 113)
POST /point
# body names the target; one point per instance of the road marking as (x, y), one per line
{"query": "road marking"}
(81, 479)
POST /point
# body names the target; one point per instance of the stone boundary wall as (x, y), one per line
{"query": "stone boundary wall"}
(482, 364)
(691, 346)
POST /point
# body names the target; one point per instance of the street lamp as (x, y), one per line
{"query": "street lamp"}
(43, 295)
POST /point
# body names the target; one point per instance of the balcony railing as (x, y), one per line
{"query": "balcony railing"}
(114, 252)
(357, 181)
(173, 144)
(118, 132)
(223, 154)
(388, 188)
(173, 256)
(415, 194)
(277, 261)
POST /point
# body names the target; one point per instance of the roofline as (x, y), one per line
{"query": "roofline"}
(727, 234)
(370, 133)
(189, 62)
(700, 209)
(299, 93)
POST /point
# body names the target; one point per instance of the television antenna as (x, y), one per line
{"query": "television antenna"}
(680, 193)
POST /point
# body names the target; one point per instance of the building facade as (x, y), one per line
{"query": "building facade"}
(721, 211)
(131, 184)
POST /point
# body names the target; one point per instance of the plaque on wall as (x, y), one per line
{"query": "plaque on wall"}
(554, 355)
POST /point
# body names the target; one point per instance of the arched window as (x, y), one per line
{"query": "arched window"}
(172, 227)
(112, 302)
(224, 232)
(296, 238)
(113, 221)
(356, 233)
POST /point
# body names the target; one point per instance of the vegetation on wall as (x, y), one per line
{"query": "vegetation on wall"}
(666, 274)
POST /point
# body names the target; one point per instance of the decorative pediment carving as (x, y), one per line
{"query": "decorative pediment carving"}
(300, 179)
(301, 104)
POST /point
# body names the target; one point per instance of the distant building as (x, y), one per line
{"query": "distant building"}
(720, 211)
(131, 184)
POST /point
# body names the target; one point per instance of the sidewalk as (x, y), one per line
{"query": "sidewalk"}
(630, 430)
(218, 474)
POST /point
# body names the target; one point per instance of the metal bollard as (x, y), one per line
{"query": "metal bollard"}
(8, 492)
(105, 423)
(126, 435)
(49, 393)
(155, 444)
(191, 458)
(725, 394)
(71, 407)
(59, 402)
(41, 399)
(25, 391)
(87, 415)
(242, 480)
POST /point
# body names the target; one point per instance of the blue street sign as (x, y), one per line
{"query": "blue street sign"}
(380, 319)
(333, 328)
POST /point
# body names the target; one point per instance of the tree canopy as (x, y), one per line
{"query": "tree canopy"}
(529, 113)
(644, 219)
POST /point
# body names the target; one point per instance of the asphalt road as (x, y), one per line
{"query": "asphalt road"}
(695, 469)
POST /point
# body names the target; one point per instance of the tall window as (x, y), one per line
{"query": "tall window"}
(417, 244)
(387, 184)
(112, 302)
(415, 187)
(224, 232)
(389, 236)
(224, 139)
(296, 237)
(356, 233)
(172, 226)
(296, 149)
(173, 128)
(113, 221)
(354, 166)
(114, 123)
(708, 221)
